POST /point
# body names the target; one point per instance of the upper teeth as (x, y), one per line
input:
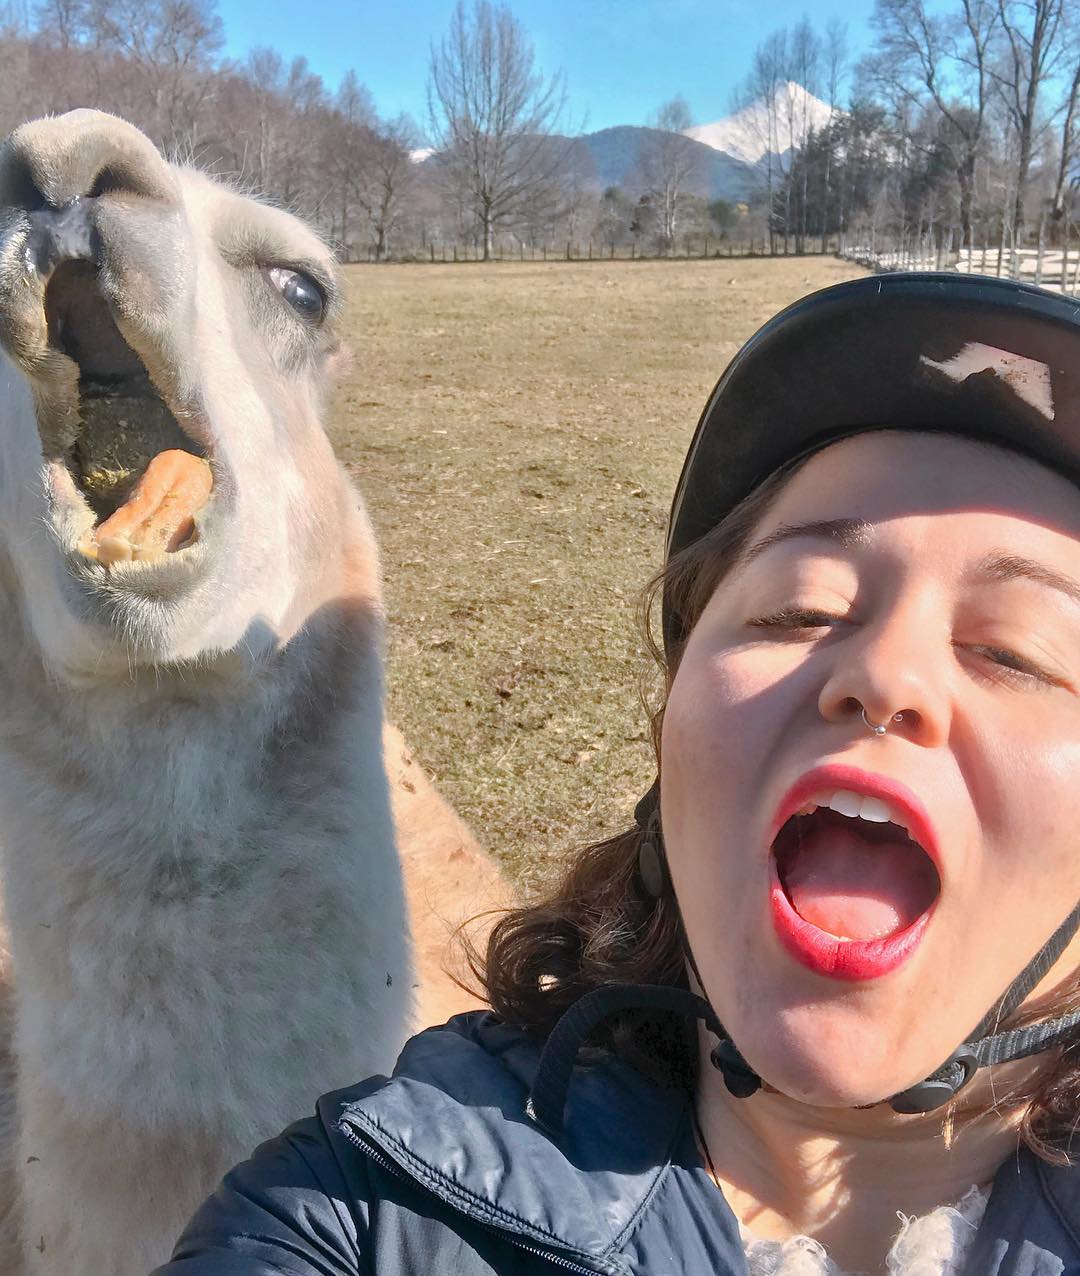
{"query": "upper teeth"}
(855, 805)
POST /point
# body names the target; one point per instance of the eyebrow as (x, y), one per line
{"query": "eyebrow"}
(997, 565)
(1000, 565)
(848, 533)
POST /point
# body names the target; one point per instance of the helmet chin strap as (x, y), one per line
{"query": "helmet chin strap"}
(984, 1047)
(547, 1100)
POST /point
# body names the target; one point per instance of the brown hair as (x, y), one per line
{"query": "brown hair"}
(599, 925)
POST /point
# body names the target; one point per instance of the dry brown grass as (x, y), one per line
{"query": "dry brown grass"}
(517, 431)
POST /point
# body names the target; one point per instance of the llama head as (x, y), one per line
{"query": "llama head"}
(167, 491)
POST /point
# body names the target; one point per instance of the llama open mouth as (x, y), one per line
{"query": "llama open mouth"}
(853, 878)
(144, 478)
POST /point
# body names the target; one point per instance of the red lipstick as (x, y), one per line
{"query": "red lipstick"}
(817, 949)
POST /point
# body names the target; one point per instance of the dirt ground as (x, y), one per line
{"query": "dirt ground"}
(517, 431)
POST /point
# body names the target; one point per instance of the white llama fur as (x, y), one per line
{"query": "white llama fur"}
(205, 905)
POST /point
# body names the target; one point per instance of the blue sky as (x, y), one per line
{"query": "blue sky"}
(622, 58)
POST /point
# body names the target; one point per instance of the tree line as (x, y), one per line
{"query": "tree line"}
(959, 129)
(962, 131)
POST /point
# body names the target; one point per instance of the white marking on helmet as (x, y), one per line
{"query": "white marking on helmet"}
(1027, 378)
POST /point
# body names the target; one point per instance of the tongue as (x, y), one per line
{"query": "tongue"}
(158, 518)
(840, 882)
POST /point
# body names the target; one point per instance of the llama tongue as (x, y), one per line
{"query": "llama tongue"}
(843, 883)
(159, 515)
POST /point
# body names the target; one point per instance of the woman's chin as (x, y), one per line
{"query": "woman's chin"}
(832, 1091)
(825, 1070)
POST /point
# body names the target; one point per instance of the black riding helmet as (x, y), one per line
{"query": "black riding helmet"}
(984, 358)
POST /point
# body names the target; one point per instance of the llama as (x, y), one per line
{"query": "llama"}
(204, 904)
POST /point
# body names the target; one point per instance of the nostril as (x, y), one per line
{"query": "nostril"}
(108, 182)
(18, 188)
(48, 164)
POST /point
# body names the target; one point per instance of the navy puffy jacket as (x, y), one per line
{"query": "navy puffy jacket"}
(439, 1170)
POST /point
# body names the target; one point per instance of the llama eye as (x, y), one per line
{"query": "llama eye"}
(303, 294)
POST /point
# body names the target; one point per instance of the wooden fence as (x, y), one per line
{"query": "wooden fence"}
(686, 248)
(1057, 269)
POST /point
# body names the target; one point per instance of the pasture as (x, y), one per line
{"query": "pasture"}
(517, 431)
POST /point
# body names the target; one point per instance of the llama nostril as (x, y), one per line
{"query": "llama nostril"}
(109, 182)
(83, 155)
(19, 190)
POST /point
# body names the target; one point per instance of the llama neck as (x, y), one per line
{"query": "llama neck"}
(207, 921)
(174, 766)
(147, 827)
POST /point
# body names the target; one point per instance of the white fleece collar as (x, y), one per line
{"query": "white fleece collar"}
(934, 1245)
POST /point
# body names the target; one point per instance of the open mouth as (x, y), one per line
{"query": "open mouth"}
(142, 475)
(851, 877)
(852, 892)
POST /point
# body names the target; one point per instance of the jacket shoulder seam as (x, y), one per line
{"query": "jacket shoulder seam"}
(480, 1209)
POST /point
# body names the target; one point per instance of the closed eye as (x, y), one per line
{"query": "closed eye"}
(795, 619)
(1014, 668)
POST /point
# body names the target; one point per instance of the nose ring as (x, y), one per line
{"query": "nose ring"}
(880, 729)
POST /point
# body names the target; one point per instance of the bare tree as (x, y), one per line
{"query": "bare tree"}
(265, 74)
(835, 57)
(387, 180)
(1070, 136)
(668, 161)
(170, 46)
(944, 61)
(762, 94)
(63, 22)
(615, 218)
(1065, 183)
(804, 63)
(14, 18)
(492, 118)
(1030, 54)
(347, 138)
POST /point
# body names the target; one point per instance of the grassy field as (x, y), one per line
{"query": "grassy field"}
(517, 431)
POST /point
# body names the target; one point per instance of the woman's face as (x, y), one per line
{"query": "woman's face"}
(847, 956)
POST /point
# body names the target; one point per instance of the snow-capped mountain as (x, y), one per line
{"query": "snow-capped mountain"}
(727, 154)
(750, 134)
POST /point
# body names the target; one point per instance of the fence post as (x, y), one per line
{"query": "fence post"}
(1042, 248)
(545, 252)
(455, 252)
(432, 247)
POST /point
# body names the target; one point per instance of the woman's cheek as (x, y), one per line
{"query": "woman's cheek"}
(1028, 801)
(710, 773)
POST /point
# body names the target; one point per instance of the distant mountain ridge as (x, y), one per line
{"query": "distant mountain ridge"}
(729, 153)
(613, 154)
